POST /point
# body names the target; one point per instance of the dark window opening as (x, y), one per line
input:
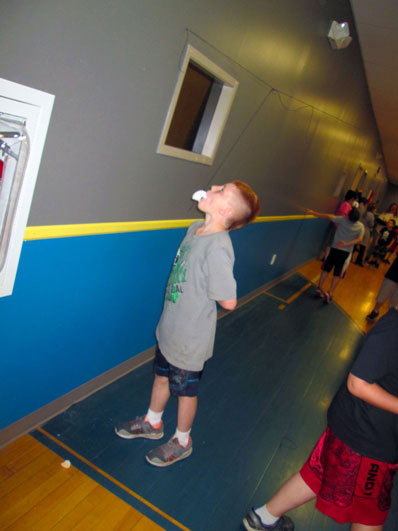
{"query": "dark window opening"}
(194, 110)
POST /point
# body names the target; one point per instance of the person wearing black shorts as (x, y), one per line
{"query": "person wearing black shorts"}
(350, 231)
(351, 469)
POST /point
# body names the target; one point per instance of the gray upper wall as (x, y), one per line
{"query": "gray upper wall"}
(113, 65)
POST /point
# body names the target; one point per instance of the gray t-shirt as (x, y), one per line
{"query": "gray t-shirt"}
(202, 274)
(346, 231)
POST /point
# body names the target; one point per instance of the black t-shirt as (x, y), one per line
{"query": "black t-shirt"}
(392, 273)
(367, 429)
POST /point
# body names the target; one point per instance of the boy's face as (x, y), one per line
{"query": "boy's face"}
(218, 198)
(390, 225)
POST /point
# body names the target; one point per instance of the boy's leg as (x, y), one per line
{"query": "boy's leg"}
(335, 281)
(292, 494)
(150, 426)
(322, 279)
(160, 393)
(386, 291)
(184, 385)
(375, 312)
(362, 527)
(361, 252)
(187, 406)
(319, 291)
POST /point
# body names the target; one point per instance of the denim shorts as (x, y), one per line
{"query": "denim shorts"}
(181, 381)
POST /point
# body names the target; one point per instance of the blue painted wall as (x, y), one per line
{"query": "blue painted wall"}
(86, 304)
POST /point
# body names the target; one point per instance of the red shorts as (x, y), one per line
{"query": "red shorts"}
(349, 487)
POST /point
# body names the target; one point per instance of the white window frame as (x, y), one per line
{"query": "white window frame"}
(223, 107)
(36, 106)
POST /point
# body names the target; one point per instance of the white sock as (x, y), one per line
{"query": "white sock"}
(182, 436)
(153, 418)
(266, 517)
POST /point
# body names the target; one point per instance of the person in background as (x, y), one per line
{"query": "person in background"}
(349, 232)
(381, 221)
(392, 213)
(345, 207)
(384, 239)
(392, 247)
(368, 221)
(342, 210)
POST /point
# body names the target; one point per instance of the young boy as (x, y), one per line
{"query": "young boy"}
(202, 275)
(350, 472)
(349, 232)
(384, 239)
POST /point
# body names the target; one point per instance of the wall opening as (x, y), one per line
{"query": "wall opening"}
(198, 111)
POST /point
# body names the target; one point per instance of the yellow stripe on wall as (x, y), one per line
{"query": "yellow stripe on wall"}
(90, 229)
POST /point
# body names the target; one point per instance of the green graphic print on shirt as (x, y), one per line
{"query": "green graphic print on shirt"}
(178, 274)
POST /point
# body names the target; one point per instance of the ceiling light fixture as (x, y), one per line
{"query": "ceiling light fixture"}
(339, 35)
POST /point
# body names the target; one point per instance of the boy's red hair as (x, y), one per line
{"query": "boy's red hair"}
(252, 204)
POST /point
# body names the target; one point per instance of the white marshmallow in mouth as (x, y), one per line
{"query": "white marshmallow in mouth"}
(200, 194)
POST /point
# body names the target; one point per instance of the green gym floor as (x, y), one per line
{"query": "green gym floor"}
(263, 398)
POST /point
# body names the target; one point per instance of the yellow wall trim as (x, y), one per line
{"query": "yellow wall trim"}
(89, 229)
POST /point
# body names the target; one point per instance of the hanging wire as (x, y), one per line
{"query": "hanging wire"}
(245, 128)
(305, 106)
(302, 105)
(280, 93)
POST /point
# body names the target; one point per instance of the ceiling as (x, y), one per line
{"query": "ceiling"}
(377, 26)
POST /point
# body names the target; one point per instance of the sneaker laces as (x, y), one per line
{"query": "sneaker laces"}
(168, 448)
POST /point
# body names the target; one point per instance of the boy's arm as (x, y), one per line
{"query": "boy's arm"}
(341, 243)
(372, 393)
(229, 304)
(319, 214)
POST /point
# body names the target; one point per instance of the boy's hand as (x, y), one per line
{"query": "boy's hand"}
(341, 243)
(228, 304)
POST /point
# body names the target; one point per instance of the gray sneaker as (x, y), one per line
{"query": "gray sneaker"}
(169, 453)
(139, 427)
(252, 522)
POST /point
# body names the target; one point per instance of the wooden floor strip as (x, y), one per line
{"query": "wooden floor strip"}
(113, 480)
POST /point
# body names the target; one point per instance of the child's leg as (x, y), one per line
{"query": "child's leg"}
(187, 406)
(183, 384)
(377, 307)
(322, 279)
(362, 527)
(292, 494)
(148, 426)
(361, 252)
(335, 281)
(160, 393)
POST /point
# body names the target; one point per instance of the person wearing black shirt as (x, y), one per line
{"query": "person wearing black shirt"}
(350, 471)
(383, 241)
